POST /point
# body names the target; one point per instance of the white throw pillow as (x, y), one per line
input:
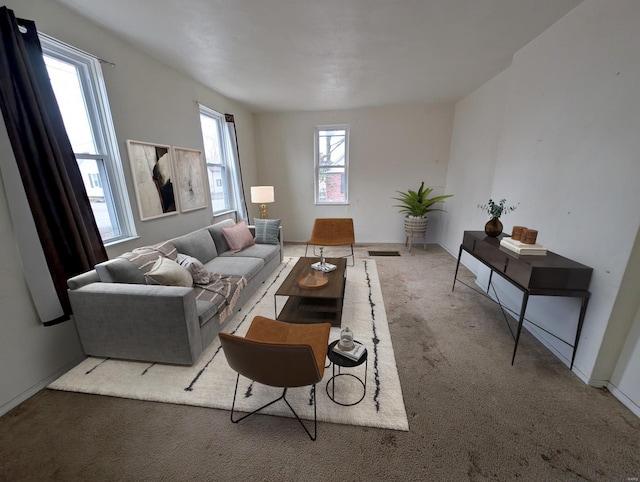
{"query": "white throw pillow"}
(168, 273)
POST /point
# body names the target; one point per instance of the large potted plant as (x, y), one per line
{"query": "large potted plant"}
(415, 205)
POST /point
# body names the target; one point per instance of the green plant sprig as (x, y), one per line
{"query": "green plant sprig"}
(496, 210)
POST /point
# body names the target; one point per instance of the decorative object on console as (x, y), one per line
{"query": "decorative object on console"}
(516, 233)
(262, 195)
(519, 247)
(494, 226)
(415, 205)
(529, 236)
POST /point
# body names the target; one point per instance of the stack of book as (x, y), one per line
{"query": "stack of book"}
(519, 247)
(354, 354)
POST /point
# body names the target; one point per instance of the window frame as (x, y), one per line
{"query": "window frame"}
(227, 181)
(108, 159)
(317, 167)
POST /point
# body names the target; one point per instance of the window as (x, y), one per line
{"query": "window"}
(331, 164)
(76, 78)
(215, 152)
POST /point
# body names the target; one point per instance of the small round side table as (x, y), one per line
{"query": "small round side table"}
(341, 361)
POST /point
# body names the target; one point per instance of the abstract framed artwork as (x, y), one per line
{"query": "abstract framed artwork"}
(189, 178)
(152, 169)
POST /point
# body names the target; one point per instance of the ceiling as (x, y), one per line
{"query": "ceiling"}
(291, 55)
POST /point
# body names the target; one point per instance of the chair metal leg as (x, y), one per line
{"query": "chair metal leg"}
(281, 397)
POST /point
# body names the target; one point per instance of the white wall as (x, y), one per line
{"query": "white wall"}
(568, 154)
(149, 102)
(476, 133)
(625, 381)
(392, 148)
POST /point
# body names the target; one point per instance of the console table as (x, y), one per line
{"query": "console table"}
(548, 275)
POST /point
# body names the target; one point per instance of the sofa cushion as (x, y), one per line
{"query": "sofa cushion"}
(198, 272)
(262, 251)
(216, 233)
(205, 310)
(267, 230)
(168, 273)
(238, 237)
(247, 267)
(119, 270)
(198, 244)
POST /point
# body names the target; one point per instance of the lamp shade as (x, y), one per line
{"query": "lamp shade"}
(262, 194)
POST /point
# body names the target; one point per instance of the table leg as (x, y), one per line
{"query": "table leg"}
(333, 382)
(525, 299)
(455, 276)
(583, 311)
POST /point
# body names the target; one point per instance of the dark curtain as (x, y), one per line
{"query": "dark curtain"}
(52, 181)
(244, 214)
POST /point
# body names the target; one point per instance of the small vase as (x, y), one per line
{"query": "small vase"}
(493, 227)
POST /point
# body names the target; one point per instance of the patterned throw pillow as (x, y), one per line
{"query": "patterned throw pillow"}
(198, 272)
(168, 273)
(267, 230)
(238, 237)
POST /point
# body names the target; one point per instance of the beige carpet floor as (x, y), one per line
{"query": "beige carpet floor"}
(472, 416)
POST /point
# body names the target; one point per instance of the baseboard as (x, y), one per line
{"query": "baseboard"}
(626, 401)
(11, 404)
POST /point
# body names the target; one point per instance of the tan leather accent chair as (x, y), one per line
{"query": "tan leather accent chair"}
(279, 354)
(332, 232)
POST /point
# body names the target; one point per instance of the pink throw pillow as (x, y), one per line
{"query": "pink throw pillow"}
(238, 236)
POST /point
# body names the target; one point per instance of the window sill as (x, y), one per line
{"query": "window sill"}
(119, 241)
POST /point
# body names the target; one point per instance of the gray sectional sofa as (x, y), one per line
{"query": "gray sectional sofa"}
(119, 315)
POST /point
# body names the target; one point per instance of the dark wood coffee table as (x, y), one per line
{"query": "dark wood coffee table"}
(313, 305)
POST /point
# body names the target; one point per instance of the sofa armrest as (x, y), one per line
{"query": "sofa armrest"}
(138, 322)
(83, 279)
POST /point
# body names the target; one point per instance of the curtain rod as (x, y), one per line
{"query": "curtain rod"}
(102, 61)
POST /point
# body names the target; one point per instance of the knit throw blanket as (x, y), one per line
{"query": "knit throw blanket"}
(222, 290)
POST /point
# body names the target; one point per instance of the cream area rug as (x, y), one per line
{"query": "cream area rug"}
(210, 382)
